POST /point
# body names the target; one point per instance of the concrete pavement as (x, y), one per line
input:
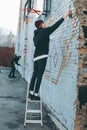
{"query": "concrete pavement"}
(12, 105)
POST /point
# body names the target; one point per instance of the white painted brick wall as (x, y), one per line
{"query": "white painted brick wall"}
(59, 84)
(61, 95)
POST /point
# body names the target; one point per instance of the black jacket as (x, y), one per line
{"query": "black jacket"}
(41, 38)
(15, 61)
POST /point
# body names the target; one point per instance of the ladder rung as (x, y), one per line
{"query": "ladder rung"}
(33, 111)
(33, 121)
(29, 111)
(33, 100)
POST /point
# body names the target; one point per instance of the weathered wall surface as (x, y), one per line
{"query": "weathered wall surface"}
(64, 84)
(81, 104)
(59, 84)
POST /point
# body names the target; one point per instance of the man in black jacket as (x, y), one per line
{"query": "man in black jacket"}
(13, 62)
(41, 43)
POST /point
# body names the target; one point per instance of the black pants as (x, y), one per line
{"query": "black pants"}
(39, 67)
(12, 72)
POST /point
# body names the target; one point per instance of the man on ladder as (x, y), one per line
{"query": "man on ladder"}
(41, 42)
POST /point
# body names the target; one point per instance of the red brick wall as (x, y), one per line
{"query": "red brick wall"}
(6, 55)
(81, 104)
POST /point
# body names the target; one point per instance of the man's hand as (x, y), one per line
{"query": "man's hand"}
(68, 12)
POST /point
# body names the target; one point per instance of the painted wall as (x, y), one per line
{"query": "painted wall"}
(60, 78)
(59, 84)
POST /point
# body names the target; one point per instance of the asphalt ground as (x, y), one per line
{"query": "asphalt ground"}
(12, 104)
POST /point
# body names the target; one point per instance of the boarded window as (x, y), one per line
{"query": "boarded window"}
(47, 7)
(27, 7)
(82, 95)
(85, 31)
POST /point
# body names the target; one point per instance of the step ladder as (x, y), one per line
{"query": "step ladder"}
(31, 112)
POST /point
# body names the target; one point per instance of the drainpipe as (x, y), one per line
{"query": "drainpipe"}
(25, 46)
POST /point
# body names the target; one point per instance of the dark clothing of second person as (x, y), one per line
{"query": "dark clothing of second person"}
(41, 43)
(13, 62)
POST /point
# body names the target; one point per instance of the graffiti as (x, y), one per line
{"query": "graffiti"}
(58, 61)
(29, 8)
(32, 10)
(51, 20)
(60, 58)
(55, 56)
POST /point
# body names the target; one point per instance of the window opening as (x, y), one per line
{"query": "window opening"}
(27, 7)
(47, 7)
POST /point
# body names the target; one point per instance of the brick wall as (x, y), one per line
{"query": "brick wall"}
(81, 114)
(64, 84)
(60, 77)
(66, 70)
(6, 54)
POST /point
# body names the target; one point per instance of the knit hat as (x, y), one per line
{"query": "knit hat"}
(38, 23)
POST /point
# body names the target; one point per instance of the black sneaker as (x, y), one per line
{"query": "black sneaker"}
(13, 76)
(31, 96)
(9, 77)
(36, 97)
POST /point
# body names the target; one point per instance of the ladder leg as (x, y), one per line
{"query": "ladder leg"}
(28, 110)
(26, 104)
(41, 106)
(41, 114)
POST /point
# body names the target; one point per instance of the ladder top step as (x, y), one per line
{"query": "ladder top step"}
(33, 121)
(33, 100)
(33, 111)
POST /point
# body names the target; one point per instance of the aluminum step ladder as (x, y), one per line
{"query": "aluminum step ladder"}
(33, 112)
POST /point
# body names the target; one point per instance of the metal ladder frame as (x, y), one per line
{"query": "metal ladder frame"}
(26, 121)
